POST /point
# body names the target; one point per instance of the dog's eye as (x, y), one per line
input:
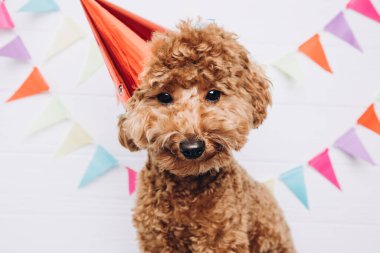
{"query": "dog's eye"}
(164, 98)
(213, 95)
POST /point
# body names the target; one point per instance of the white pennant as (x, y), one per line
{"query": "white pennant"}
(93, 62)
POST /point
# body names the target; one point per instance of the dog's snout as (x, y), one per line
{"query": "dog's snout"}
(192, 148)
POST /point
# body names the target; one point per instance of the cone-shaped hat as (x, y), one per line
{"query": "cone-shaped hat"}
(122, 37)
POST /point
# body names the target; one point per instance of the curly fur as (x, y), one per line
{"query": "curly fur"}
(209, 204)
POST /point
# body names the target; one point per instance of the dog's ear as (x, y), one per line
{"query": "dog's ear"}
(257, 86)
(125, 130)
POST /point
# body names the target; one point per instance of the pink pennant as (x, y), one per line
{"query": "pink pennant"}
(364, 7)
(5, 19)
(323, 165)
(351, 144)
(15, 49)
(132, 176)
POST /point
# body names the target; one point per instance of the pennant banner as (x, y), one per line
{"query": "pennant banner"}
(364, 7)
(370, 120)
(351, 144)
(270, 184)
(323, 165)
(75, 139)
(101, 163)
(132, 177)
(40, 6)
(93, 62)
(54, 113)
(68, 33)
(313, 49)
(15, 49)
(294, 180)
(5, 19)
(34, 84)
(340, 28)
(290, 66)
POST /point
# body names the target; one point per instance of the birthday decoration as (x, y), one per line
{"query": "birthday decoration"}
(290, 66)
(364, 7)
(75, 139)
(101, 162)
(93, 62)
(270, 184)
(40, 6)
(339, 27)
(370, 120)
(351, 144)
(132, 177)
(68, 33)
(34, 84)
(54, 113)
(313, 49)
(122, 37)
(5, 19)
(294, 180)
(322, 164)
(15, 49)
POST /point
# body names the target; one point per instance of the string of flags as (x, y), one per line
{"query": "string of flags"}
(313, 48)
(69, 32)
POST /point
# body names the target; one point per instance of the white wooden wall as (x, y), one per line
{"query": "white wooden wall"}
(41, 208)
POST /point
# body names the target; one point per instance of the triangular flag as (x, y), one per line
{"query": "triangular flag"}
(40, 6)
(290, 66)
(68, 33)
(34, 84)
(370, 120)
(270, 183)
(295, 181)
(93, 62)
(322, 164)
(364, 7)
(54, 113)
(351, 144)
(313, 49)
(15, 49)
(5, 19)
(132, 177)
(121, 36)
(339, 27)
(101, 163)
(75, 139)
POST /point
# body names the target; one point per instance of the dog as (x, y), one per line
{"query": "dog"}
(199, 97)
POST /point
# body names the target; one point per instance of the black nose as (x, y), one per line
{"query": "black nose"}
(192, 149)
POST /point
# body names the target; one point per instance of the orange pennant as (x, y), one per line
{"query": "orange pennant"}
(313, 49)
(370, 120)
(34, 84)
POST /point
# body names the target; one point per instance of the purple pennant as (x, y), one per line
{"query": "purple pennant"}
(15, 49)
(339, 27)
(351, 144)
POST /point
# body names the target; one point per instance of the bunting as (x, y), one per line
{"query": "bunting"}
(93, 62)
(370, 120)
(294, 180)
(101, 162)
(364, 7)
(132, 177)
(313, 49)
(5, 19)
(351, 144)
(15, 49)
(290, 66)
(40, 6)
(322, 164)
(54, 113)
(270, 184)
(34, 84)
(75, 139)
(68, 33)
(339, 27)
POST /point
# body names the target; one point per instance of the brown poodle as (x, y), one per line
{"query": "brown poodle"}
(198, 99)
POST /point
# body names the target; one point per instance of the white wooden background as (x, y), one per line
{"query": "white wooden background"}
(41, 208)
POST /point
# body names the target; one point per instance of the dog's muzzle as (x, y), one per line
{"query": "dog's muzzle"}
(192, 148)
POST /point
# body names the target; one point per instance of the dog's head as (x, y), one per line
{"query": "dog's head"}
(198, 99)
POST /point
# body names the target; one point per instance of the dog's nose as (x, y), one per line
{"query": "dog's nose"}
(192, 149)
